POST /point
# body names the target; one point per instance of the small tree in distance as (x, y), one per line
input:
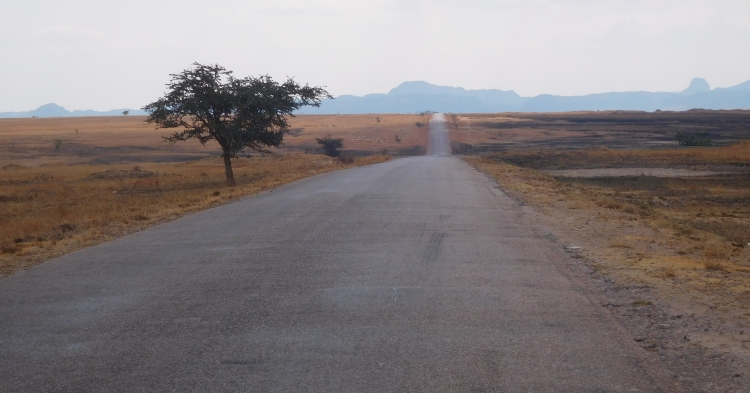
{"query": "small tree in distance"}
(207, 103)
(331, 146)
(454, 120)
(125, 113)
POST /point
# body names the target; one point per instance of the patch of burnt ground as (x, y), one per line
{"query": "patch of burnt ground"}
(502, 132)
(603, 157)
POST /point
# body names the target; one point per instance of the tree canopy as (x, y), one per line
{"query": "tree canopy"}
(206, 102)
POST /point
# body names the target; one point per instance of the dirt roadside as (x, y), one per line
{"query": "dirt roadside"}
(692, 317)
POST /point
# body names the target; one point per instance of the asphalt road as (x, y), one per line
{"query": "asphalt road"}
(439, 143)
(415, 275)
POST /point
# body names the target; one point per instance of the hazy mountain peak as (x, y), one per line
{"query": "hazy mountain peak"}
(54, 110)
(422, 87)
(697, 85)
(50, 106)
(50, 110)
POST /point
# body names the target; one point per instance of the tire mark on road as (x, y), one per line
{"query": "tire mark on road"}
(432, 251)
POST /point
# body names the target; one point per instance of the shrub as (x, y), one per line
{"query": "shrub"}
(346, 159)
(58, 143)
(709, 264)
(9, 248)
(670, 271)
(331, 146)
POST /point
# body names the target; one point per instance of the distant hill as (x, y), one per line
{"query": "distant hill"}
(697, 85)
(745, 86)
(54, 110)
(410, 97)
(419, 96)
(697, 95)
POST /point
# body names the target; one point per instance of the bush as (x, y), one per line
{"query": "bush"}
(331, 146)
(58, 143)
(9, 248)
(346, 160)
(419, 124)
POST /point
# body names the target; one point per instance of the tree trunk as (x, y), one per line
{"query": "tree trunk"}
(228, 169)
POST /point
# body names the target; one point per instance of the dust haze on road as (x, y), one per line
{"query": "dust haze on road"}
(412, 275)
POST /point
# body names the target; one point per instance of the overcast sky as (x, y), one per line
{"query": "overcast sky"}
(103, 55)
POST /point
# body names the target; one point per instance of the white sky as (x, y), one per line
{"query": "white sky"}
(86, 54)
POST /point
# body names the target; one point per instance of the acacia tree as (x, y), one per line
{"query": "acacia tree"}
(206, 102)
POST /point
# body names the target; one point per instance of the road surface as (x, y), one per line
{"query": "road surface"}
(415, 275)
(439, 143)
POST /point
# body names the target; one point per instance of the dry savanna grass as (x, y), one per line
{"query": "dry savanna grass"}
(362, 134)
(113, 176)
(128, 139)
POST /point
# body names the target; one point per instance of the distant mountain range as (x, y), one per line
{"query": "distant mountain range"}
(54, 110)
(419, 96)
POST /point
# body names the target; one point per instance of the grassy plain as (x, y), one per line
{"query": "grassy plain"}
(396, 135)
(68, 183)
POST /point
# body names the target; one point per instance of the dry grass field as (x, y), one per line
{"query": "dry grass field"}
(128, 139)
(395, 135)
(68, 183)
(681, 242)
